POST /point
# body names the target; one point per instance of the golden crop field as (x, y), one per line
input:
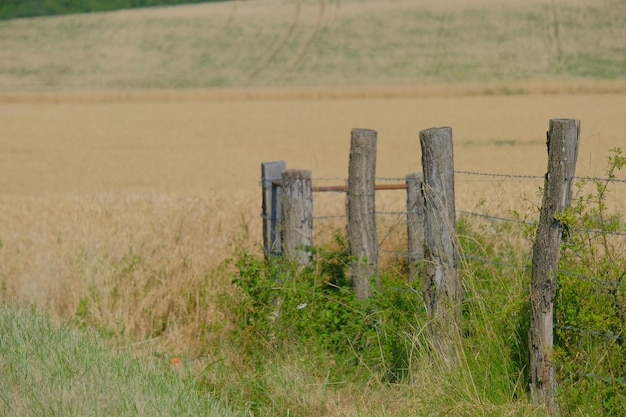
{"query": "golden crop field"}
(131, 142)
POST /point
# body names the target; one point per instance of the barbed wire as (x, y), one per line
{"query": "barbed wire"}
(473, 173)
(599, 179)
(609, 379)
(590, 332)
(509, 176)
(537, 177)
(401, 253)
(532, 223)
(330, 217)
(390, 178)
(592, 278)
(330, 179)
(503, 219)
(495, 263)
(598, 232)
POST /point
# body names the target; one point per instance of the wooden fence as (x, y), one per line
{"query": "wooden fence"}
(431, 227)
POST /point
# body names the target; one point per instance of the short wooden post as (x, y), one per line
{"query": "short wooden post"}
(270, 173)
(441, 283)
(297, 215)
(415, 223)
(563, 136)
(362, 242)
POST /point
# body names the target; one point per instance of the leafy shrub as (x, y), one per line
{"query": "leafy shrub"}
(282, 308)
(590, 305)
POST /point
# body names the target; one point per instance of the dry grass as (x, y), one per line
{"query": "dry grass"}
(138, 267)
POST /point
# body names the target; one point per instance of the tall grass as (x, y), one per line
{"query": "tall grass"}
(136, 268)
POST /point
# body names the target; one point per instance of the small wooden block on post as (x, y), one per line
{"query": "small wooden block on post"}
(362, 242)
(442, 282)
(563, 138)
(271, 172)
(297, 215)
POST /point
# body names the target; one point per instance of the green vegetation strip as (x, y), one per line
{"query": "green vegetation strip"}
(49, 370)
(12, 9)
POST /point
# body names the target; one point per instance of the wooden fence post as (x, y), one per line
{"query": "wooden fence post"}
(297, 215)
(270, 172)
(361, 228)
(415, 223)
(442, 282)
(562, 144)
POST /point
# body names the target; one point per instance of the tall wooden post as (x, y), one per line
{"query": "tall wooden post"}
(562, 144)
(415, 223)
(442, 282)
(271, 172)
(297, 215)
(362, 242)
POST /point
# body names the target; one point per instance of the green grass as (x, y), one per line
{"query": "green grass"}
(50, 370)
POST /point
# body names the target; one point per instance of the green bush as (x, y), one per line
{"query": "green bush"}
(314, 309)
(590, 305)
(281, 310)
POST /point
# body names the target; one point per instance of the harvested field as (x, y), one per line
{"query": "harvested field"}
(203, 146)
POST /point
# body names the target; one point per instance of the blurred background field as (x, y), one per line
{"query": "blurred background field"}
(323, 43)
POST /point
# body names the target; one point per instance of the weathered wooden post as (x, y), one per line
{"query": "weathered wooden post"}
(563, 136)
(297, 215)
(361, 231)
(415, 223)
(441, 282)
(270, 173)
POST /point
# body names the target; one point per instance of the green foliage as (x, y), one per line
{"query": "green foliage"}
(11, 9)
(283, 308)
(590, 306)
(313, 312)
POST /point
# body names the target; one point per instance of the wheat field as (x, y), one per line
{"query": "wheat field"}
(131, 142)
